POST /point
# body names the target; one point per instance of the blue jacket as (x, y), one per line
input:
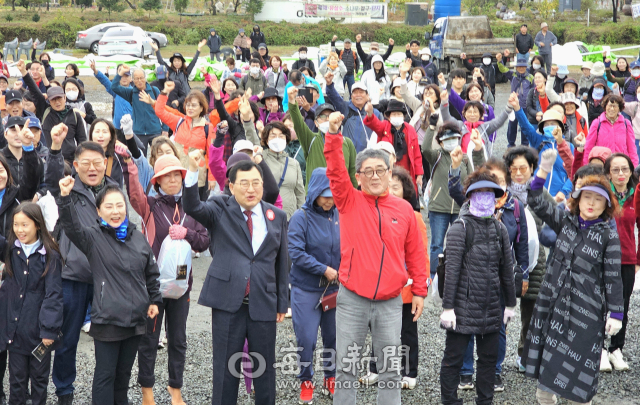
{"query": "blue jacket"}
(314, 238)
(560, 181)
(547, 39)
(519, 242)
(520, 83)
(285, 100)
(121, 106)
(31, 303)
(145, 120)
(352, 127)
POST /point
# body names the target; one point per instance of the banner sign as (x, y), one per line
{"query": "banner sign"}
(344, 10)
(635, 8)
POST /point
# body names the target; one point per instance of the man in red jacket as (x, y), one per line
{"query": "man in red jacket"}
(381, 248)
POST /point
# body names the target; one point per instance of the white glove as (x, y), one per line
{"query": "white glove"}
(548, 159)
(509, 313)
(126, 123)
(448, 319)
(613, 326)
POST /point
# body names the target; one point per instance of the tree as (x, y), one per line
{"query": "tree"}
(111, 5)
(151, 5)
(24, 3)
(615, 4)
(255, 7)
(180, 6)
(84, 4)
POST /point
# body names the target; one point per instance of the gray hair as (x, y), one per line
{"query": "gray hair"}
(134, 70)
(371, 154)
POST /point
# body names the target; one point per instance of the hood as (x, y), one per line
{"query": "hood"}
(598, 80)
(317, 184)
(377, 58)
(254, 28)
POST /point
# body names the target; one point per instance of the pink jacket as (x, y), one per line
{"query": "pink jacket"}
(618, 137)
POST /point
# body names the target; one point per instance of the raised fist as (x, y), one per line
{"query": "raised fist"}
(358, 38)
(168, 87)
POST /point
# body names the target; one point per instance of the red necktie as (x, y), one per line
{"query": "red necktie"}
(250, 225)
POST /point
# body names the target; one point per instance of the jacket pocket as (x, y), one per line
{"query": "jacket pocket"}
(271, 287)
(221, 273)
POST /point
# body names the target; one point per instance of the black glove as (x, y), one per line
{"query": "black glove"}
(433, 119)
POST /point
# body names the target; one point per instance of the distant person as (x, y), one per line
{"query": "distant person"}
(545, 40)
(214, 42)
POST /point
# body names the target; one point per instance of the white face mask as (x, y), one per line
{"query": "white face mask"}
(277, 145)
(635, 72)
(425, 58)
(303, 56)
(254, 70)
(536, 66)
(450, 144)
(561, 76)
(374, 52)
(396, 121)
(72, 95)
(486, 61)
(324, 127)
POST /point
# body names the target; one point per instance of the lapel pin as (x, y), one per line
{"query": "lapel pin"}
(270, 215)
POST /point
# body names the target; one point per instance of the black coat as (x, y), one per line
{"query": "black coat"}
(524, 42)
(30, 305)
(22, 190)
(582, 283)
(297, 65)
(76, 265)
(366, 57)
(125, 274)
(177, 94)
(17, 167)
(236, 130)
(533, 106)
(475, 278)
(257, 38)
(75, 135)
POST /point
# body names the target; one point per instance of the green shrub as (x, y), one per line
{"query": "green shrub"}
(8, 17)
(36, 17)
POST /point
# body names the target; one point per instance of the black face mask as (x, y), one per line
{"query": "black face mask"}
(45, 63)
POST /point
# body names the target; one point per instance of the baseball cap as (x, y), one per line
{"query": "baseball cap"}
(161, 72)
(3, 77)
(324, 107)
(359, 85)
(347, 40)
(12, 95)
(242, 144)
(34, 122)
(262, 45)
(55, 92)
(326, 193)
(13, 121)
(544, 24)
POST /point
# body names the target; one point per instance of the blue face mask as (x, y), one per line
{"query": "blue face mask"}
(548, 134)
(598, 93)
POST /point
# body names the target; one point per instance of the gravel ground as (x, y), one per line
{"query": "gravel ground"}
(616, 387)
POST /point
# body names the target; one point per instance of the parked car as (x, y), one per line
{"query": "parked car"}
(125, 41)
(89, 38)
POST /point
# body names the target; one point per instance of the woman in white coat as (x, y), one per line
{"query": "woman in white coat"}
(334, 65)
(377, 81)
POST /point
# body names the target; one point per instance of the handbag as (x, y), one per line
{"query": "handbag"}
(328, 301)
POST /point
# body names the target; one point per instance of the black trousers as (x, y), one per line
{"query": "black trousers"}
(24, 368)
(526, 312)
(114, 361)
(628, 273)
(228, 334)
(3, 368)
(177, 312)
(409, 338)
(456, 345)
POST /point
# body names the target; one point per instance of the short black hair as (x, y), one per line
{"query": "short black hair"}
(243, 166)
(88, 145)
(542, 72)
(108, 189)
(295, 76)
(587, 170)
(254, 60)
(308, 70)
(554, 103)
(302, 49)
(414, 41)
(458, 73)
(530, 154)
(474, 104)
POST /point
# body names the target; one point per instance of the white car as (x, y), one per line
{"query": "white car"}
(125, 41)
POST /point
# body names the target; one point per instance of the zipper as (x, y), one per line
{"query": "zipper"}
(101, 294)
(383, 249)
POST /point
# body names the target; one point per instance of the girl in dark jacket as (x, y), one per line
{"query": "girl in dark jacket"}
(125, 287)
(178, 71)
(164, 216)
(71, 71)
(74, 92)
(581, 285)
(479, 271)
(510, 211)
(314, 246)
(30, 302)
(104, 133)
(537, 100)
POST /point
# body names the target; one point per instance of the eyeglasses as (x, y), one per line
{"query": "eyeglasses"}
(516, 170)
(244, 184)
(192, 105)
(322, 118)
(86, 164)
(613, 105)
(369, 172)
(623, 170)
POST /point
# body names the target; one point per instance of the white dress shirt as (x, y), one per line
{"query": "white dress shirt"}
(257, 216)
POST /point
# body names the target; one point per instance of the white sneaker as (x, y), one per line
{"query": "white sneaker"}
(288, 314)
(369, 379)
(86, 327)
(409, 383)
(617, 361)
(605, 365)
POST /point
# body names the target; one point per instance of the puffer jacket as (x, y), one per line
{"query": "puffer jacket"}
(373, 86)
(292, 188)
(124, 273)
(520, 83)
(24, 190)
(627, 85)
(594, 107)
(476, 277)
(380, 243)
(533, 106)
(30, 303)
(314, 239)
(440, 161)
(214, 42)
(619, 137)
(257, 38)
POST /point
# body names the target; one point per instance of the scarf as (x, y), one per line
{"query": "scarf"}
(121, 231)
(176, 196)
(63, 114)
(96, 189)
(399, 142)
(584, 224)
(622, 196)
(519, 191)
(482, 204)
(467, 137)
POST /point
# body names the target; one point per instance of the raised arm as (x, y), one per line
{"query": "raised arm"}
(195, 57)
(305, 135)
(207, 213)
(55, 163)
(339, 182)
(552, 216)
(124, 92)
(166, 117)
(77, 233)
(333, 96)
(136, 193)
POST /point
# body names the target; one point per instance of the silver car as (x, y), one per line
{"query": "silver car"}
(125, 41)
(90, 38)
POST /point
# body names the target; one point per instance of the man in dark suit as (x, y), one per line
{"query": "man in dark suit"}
(247, 283)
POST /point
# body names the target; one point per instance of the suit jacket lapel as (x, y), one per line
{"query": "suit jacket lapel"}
(270, 227)
(236, 210)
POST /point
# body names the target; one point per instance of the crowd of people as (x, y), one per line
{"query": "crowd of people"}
(307, 188)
